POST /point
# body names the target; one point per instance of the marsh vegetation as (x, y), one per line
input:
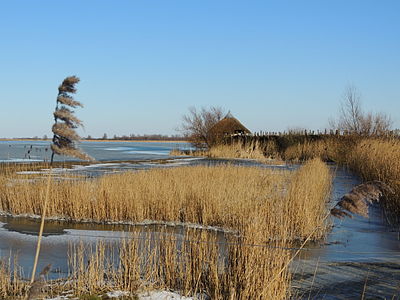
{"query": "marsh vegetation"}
(265, 210)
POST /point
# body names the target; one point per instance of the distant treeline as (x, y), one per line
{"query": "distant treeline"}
(145, 137)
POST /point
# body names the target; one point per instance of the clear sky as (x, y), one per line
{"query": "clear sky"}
(275, 65)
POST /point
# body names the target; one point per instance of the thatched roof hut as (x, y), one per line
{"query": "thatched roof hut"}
(226, 127)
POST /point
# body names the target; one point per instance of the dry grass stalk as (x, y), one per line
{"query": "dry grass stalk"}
(45, 204)
(10, 282)
(64, 142)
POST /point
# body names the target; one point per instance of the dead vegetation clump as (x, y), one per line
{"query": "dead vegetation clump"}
(359, 198)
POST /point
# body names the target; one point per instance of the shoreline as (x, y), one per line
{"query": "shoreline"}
(102, 141)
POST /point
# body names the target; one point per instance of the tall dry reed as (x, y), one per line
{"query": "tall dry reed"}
(226, 196)
(330, 148)
(267, 208)
(10, 278)
(197, 268)
(252, 150)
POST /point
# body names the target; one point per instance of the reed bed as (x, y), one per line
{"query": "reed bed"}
(197, 266)
(253, 150)
(267, 209)
(333, 149)
(379, 159)
(225, 196)
(236, 150)
(196, 269)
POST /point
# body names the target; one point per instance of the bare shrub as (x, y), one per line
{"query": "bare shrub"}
(196, 124)
(352, 119)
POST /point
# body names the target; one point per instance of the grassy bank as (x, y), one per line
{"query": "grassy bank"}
(264, 207)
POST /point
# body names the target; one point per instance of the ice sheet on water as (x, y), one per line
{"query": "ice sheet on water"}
(161, 152)
(19, 160)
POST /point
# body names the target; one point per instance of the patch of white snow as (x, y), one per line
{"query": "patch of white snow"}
(162, 295)
(117, 294)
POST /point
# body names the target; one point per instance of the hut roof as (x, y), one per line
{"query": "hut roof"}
(228, 125)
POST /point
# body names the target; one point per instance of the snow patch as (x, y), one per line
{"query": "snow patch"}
(117, 294)
(162, 295)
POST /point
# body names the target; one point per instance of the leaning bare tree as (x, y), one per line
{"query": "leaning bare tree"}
(354, 120)
(64, 141)
(196, 124)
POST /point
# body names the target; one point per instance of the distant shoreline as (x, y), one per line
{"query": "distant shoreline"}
(140, 141)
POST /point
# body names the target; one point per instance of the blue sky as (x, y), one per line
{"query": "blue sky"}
(275, 65)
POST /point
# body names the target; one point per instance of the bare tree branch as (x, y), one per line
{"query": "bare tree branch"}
(197, 123)
(353, 120)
